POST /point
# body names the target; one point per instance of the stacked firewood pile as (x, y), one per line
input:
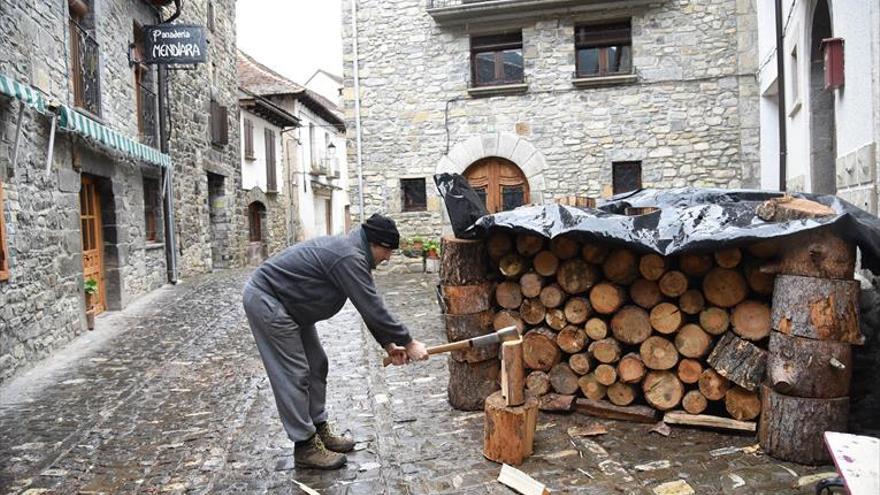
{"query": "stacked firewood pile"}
(609, 324)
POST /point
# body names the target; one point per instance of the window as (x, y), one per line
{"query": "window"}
(255, 224)
(4, 263)
(313, 158)
(497, 59)
(210, 18)
(413, 194)
(271, 180)
(499, 183)
(219, 124)
(626, 176)
(151, 209)
(145, 94)
(603, 50)
(795, 84)
(248, 139)
(85, 69)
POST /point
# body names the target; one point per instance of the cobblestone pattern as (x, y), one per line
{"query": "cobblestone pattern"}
(175, 400)
(691, 118)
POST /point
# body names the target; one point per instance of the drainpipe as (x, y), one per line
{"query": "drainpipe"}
(780, 86)
(357, 109)
(168, 182)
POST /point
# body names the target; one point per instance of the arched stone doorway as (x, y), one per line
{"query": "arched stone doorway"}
(823, 148)
(499, 182)
(257, 249)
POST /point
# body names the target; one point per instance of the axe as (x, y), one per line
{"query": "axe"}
(503, 335)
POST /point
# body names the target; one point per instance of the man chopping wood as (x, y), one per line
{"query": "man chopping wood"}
(300, 286)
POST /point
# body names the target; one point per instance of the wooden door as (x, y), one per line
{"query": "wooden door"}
(92, 240)
(499, 182)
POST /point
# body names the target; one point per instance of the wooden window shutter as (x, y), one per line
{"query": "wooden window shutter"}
(219, 124)
(248, 139)
(271, 180)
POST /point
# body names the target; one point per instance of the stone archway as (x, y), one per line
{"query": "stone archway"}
(505, 145)
(823, 147)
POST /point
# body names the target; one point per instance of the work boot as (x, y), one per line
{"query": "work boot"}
(334, 442)
(311, 453)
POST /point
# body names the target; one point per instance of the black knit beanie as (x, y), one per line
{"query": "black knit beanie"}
(382, 230)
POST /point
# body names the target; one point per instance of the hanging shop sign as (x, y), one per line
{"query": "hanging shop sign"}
(174, 44)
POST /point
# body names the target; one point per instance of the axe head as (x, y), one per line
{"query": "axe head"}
(503, 335)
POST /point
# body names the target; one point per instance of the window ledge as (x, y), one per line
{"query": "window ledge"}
(150, 246)
(589, 82)
(504, 89)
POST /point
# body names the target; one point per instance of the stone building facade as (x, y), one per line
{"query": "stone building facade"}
(679, 109)
(96, 209)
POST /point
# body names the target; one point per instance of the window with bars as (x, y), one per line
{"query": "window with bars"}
(271, 180)
(84, 55)
(146, 101)
(603, 49)
(151, 209)
(497, 59)
(413, 195)
(219, 124)
(4, 263)
(248, 139)
(626, 176)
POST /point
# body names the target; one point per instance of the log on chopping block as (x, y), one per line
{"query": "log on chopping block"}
(471, 383)
(631, 325)
(556, 403)
(809, 368)
(532, 311)
(467, 299)
(621, 267)
(577, 310)
(606, 298)
(666, 318)
(607, 410)
(590, 387)
(821, 309)
(594, 253)
(563, 379)
(751, 320)
(621, 394)
(653, 266)
(692, 342)
(492, 339)
(529, 245)
(689, 371)
(662, 389)
(530, 284)
(705, 420)
(508, 295)
(540, 350)
(645, 293)
(791, 428)
(692, 302)
(498, 244)
(538, 383)
(512, 373)
(742, 404)
(715, 320)
(579, 363)
(712, 385)
(658, 353)
(815, 253)
(464, 262)
(596, 328)
(631, 369)
(695, 265)
(512, 265)
(728, 258)
(571, 339)
(724, 287)
(508, 318)
(509, 432)
(552, 296)
(564, 247)
(576, 276)
(673, 283)
(545, 263)
(694, 402)
(738, 360)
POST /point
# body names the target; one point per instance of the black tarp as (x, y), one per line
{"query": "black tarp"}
(688, 219)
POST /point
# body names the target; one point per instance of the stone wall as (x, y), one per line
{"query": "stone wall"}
(690, 117)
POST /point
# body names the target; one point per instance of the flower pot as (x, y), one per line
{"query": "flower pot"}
(90, 320)
(432, 255)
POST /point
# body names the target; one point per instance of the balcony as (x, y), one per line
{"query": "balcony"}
(452, 12)
(85, 70)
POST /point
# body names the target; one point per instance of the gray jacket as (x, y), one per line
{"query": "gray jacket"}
(313, 279)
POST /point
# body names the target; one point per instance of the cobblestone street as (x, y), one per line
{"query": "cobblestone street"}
(169, 396)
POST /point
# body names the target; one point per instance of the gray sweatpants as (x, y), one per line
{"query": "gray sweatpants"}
(294, 360)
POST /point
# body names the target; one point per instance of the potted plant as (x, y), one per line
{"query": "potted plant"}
(432, 249)
(90, 287)
(417, 244)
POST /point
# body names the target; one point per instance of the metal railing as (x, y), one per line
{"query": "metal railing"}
(86, 70)
(148, 120)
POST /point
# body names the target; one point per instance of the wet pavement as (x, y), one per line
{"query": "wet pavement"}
(169, 396)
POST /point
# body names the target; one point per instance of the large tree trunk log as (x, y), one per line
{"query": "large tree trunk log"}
(691, 341)
(817, 308)
(571, 339)
(579, 363)
(621, 394)
(631, 369)
(712, 385)
(694, 402)
(538, 382)
(532, 311)
(666, 318)
(605, 374)
(577, 310)
(689, 371)
(607, 298)
(631, 325)
(512, 373)
(594, 253)
(739, 361)
(645, 293)
(555, 319)
(498, 244)
(564, 247)
(590, 387)
(467, 299)
(714, 320)
(605, 351)
(673, 283)
(692, 302)
(512, 265)
(471, 383)
(596, 328)
(464, 262)
(508, 295)
(463, 327)
(658, 353)
(791, 428)
(529, 245)
(621, 267)
(508, 318)
(606, 410)
(695, 265)
(725, 287)
(540, 351)
(742, 404)
(652, 266)
(809, 368)
(545, 263)
(576, 276)
(552, 296)
(751, 320)
(728, 258)
(509, 434)
(563, 379)
(817, 253)
(530, 284)
(662, 390)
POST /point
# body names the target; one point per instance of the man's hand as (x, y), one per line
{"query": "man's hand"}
(416, 351)
(397, 354)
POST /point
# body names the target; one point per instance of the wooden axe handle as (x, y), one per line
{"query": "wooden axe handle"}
(438, 349)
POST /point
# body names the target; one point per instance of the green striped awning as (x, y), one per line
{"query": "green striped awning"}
(74, 121)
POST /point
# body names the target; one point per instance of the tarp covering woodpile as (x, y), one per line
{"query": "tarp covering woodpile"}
(685, 220)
